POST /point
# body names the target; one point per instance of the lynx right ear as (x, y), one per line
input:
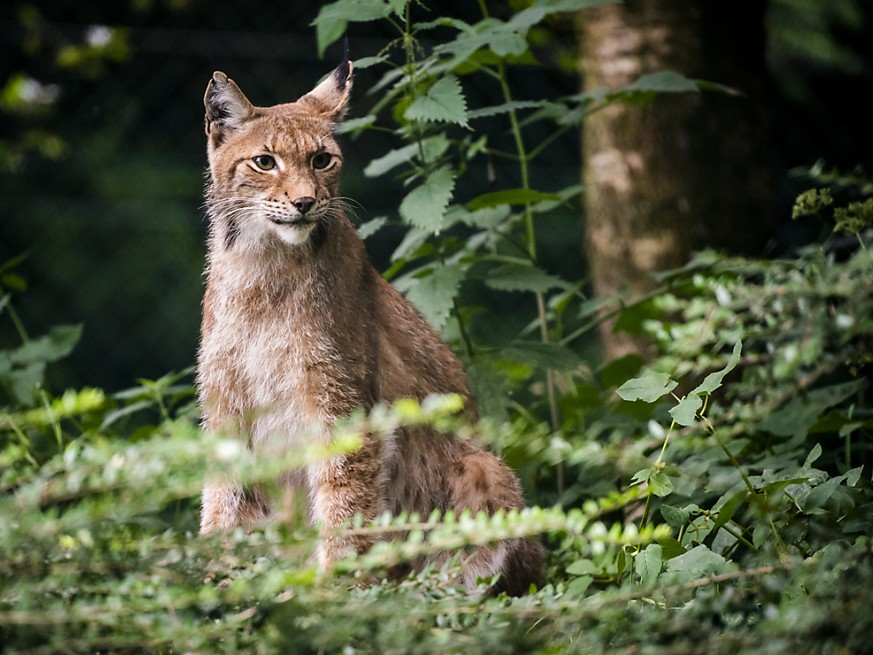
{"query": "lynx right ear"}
(227, 107)
(331, 97)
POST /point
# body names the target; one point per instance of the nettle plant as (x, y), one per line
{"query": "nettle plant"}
(472, 234)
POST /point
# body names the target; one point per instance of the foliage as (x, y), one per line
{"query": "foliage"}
(719, 498)
(26, 101)
(470, 238)
(712, 500)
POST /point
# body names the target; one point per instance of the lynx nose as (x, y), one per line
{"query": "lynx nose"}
(303, 204)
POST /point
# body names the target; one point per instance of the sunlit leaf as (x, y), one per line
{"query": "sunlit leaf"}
(425, 205)
(443, 102)
(648, 388)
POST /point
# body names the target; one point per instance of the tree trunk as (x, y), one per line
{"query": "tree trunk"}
(686, 171)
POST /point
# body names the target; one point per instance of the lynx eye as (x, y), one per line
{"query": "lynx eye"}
(321, 160)
(264, 162)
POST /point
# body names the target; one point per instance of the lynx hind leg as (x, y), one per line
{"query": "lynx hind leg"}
(227, 505)
(483, 483)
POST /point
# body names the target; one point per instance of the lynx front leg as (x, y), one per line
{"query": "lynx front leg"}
(227, 505)
(341, 488)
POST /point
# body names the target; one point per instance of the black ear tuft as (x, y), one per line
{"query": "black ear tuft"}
(342, 72)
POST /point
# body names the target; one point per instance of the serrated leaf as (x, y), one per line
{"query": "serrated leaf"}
(648, 388)
(647, 564)
(434, 294)
(510, 197)
(443, 102)
(685, 411)
(425, 205)
(521, 277)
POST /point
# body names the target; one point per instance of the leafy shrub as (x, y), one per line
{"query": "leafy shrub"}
(716, 499)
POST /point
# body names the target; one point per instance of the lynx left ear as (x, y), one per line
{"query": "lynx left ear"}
(227, 107)
(331, 97)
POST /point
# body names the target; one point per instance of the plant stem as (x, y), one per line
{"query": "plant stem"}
(530, 233)
(16, 321)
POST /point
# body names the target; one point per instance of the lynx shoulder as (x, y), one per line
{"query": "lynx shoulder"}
(299, 329)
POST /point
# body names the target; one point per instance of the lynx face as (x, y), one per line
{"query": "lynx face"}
(274, 170)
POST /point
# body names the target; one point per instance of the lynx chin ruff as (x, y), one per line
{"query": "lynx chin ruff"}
(299, 329)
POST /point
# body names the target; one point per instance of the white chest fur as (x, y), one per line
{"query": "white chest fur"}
(259, 361)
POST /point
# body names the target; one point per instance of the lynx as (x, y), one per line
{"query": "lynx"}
(299, 329)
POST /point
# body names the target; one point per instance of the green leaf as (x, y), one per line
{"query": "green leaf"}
(820, 495)
(432, 147)
(58, 343)
(332, 19)
(814, 454)
(489, 386)
(488, 218)
(583, 567)
(713, 381)
(647, 564)
(24, 380)
(368, 229)
(434, 294)
(660, 484)
(543, 355)
(663, 82)
(425, 205)
(699, 562)
(510, 197)
(685, 412)
(355, 124)
(642, 475)
(801, 412)
(729, 508)
(522, 277)
(648, 388)
(675, 517)
(389, 160)
(443, 102)
(670, 548)
(14, 282)
(506, 107)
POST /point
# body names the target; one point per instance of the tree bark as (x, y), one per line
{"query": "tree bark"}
(686, 171)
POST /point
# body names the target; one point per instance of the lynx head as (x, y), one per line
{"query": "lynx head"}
(274, 171)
